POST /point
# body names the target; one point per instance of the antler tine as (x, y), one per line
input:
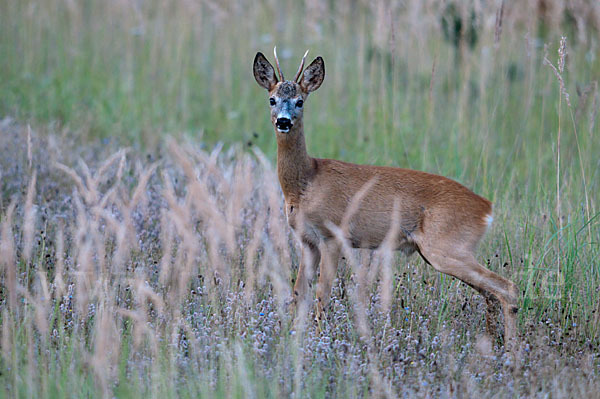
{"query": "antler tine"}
(281, 78)
(301, 67)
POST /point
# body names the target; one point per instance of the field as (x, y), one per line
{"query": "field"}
(143, 245)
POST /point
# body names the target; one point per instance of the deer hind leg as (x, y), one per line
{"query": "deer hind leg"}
(492, 311)
(309, 261)
(327, 272)
(492, 286)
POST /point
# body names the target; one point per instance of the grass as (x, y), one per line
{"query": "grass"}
(163, 269)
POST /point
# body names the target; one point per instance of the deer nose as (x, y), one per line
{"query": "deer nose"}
(283, 124)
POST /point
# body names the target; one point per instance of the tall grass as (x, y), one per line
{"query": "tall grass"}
(164, 268)
(169, 274)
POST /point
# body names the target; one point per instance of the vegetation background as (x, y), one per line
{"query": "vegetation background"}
(143, 249)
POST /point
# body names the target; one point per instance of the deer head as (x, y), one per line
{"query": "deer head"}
(287, 97)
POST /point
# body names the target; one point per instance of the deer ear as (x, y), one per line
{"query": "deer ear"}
(313, 75)
(264, 72)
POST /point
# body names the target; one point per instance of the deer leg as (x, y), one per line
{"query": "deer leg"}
(327, 272)
(490, 317)
(491, 311)
(491, 285)
(310, 259)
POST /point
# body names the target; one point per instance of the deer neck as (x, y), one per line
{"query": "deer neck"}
(294, 165)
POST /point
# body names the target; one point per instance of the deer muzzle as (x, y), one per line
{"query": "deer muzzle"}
(283, 124)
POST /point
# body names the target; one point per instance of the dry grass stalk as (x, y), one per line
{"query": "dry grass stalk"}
(107, 345)
(42, 302)
(7, 256)
(7, 339)
(562, 53)
(73, 175)
(167, 235)
(594, 110)
(29, 220)
(59, 282)
(431, 82)
(498, 24)
(29, 153)
(558, 71)
(386, 254)
(104, 168)
(251, 254)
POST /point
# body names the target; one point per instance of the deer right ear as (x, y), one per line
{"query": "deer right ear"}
(313, 75)
(264, 72)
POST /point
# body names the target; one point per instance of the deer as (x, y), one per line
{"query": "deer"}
(437, 217)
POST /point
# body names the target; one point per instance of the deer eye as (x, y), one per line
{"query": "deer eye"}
(299, 103)
(272, 101)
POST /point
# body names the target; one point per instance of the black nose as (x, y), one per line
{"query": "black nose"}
(283, 123)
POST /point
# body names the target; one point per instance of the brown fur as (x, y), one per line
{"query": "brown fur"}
(438, 217)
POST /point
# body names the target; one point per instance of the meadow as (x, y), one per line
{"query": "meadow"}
(143, 246)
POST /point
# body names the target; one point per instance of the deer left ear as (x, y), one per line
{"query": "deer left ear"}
(264, 72)
(313, 75)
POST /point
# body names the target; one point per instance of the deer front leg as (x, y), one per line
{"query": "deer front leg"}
(327, 272)
(308, 264)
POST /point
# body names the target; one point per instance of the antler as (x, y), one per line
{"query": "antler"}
(281, 78)
(301, 67)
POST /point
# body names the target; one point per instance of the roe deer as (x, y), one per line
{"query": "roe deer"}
(437, 217)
